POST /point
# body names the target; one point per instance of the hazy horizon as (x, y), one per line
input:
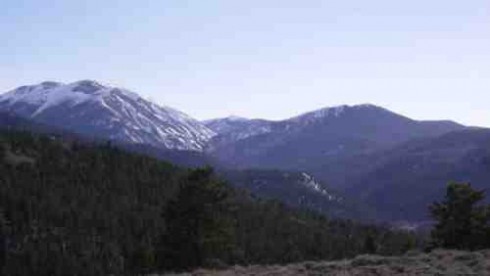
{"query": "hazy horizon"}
(424, 60)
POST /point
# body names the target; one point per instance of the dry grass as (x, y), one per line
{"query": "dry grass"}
(17, 159)
(438, 262)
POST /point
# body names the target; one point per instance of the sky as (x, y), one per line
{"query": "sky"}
(426, 59)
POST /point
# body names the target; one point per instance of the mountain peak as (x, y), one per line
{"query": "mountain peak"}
(86, 86)
(91, 108)
(335, 112)
(50, 84)
(50, 93)
(235, 118)
(231, 118)
(366, 105)
(329, 111)
(87, 82)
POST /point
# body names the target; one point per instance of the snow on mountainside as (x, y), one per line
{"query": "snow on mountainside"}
(329, 112)
(296, 189)
(310, 182)
(312, 139)
(225, 125)
(235, 128)
(232, 129)
(264, 133)
(91, 108)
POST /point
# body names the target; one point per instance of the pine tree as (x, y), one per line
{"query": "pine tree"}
(198, 230)
(370, 244)
(461, 222)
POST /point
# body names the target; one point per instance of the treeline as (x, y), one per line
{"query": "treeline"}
(73, 209)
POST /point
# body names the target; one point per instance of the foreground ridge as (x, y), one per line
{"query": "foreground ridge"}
(438, 262)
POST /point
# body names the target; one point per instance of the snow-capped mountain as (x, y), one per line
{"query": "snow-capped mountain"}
(235, 128)
(90, 108)
(309, 140)
(334, 112)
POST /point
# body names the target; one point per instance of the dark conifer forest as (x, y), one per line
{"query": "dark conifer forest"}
(72, 208)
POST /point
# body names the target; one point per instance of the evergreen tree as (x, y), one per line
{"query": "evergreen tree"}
(198, 231)
(370, 244)
(461, 222)
(3, 240)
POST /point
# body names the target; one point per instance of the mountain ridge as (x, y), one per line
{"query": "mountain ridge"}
(88, 107)
(327, 132)
(366, 152)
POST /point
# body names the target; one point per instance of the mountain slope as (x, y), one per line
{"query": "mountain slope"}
(298, 190)
(239, 128)
(90, 108)
(386, 161)
(231, 130)
(400, 183)
(309, 140)
(12, 122)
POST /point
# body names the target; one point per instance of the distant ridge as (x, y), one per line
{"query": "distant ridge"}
(311, 138)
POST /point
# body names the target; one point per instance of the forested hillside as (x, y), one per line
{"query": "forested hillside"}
(67, 208)
(298, 190)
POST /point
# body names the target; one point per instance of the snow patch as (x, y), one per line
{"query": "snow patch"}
(139, 120)
(311, 183)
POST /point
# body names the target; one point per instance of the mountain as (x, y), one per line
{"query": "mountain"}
(308, 141)
(388, 162)
(92, 109)
(401, 182)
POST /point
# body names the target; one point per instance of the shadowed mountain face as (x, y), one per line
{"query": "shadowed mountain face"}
(391, 163)
(310, 140)
(191, 158)
(298, 190)
(10, 121)
(92, 109)
(400, 183)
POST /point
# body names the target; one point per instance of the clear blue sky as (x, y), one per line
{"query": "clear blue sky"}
(427, 59)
